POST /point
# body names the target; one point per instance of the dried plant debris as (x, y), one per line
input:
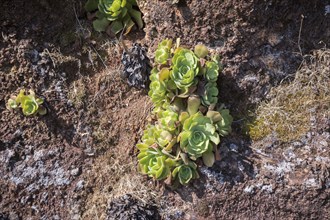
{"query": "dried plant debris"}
(136, 66)
(129, 208)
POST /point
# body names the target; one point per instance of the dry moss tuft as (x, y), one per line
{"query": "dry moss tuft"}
(77, 93)
(112, 179)
(289, 112)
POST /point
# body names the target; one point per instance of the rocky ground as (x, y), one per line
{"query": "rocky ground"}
(78, 161)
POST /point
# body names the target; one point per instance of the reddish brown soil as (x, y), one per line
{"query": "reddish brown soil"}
(53, 166)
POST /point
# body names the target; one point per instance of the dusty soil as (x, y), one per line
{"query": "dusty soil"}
(78, 161)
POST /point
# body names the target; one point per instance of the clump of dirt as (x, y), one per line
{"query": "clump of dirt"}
(136, 66)
(127, 207)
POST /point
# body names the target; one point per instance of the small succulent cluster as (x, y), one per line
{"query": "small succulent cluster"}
(30, 104)
(187, 123)
(136, 66)
(117, 14)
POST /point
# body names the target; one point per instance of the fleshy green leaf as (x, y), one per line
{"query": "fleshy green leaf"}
(39, 101)
(164, 74)
(20, 96)
(128, 24)
(137, 16)
(215, 116)
(208, 159)
(101, 24)
(193, 104)
(91, 5)
(42, 110)
(116, 27)
(201, 51)
(183, 116)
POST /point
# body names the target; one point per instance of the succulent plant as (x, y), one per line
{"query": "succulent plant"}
(198, 134)
(184, 69)
(158, 91)
(184, 173)
(113, 8)
(148, 137)
(186, 127)
(30, 104)
(155, 134)
(116, 13)
(163, 51)
(224, 125)
(210, 95)
(168, 119)
(162, 89)
(154, 163)
(222, 120)
(212, 71)
(160, 168)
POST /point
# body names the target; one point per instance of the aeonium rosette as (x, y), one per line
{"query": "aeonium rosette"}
(161, 88)
(185, 173)
(211, 93)
(224, 125)
(184, 69)
(157, 93)
(163, 51)
(116, 13)
(113, 8)
(30, 104)
(153, 162)
(169, 119)
(156, 134)
(222, 120)
(212, 71)
(198, 137)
